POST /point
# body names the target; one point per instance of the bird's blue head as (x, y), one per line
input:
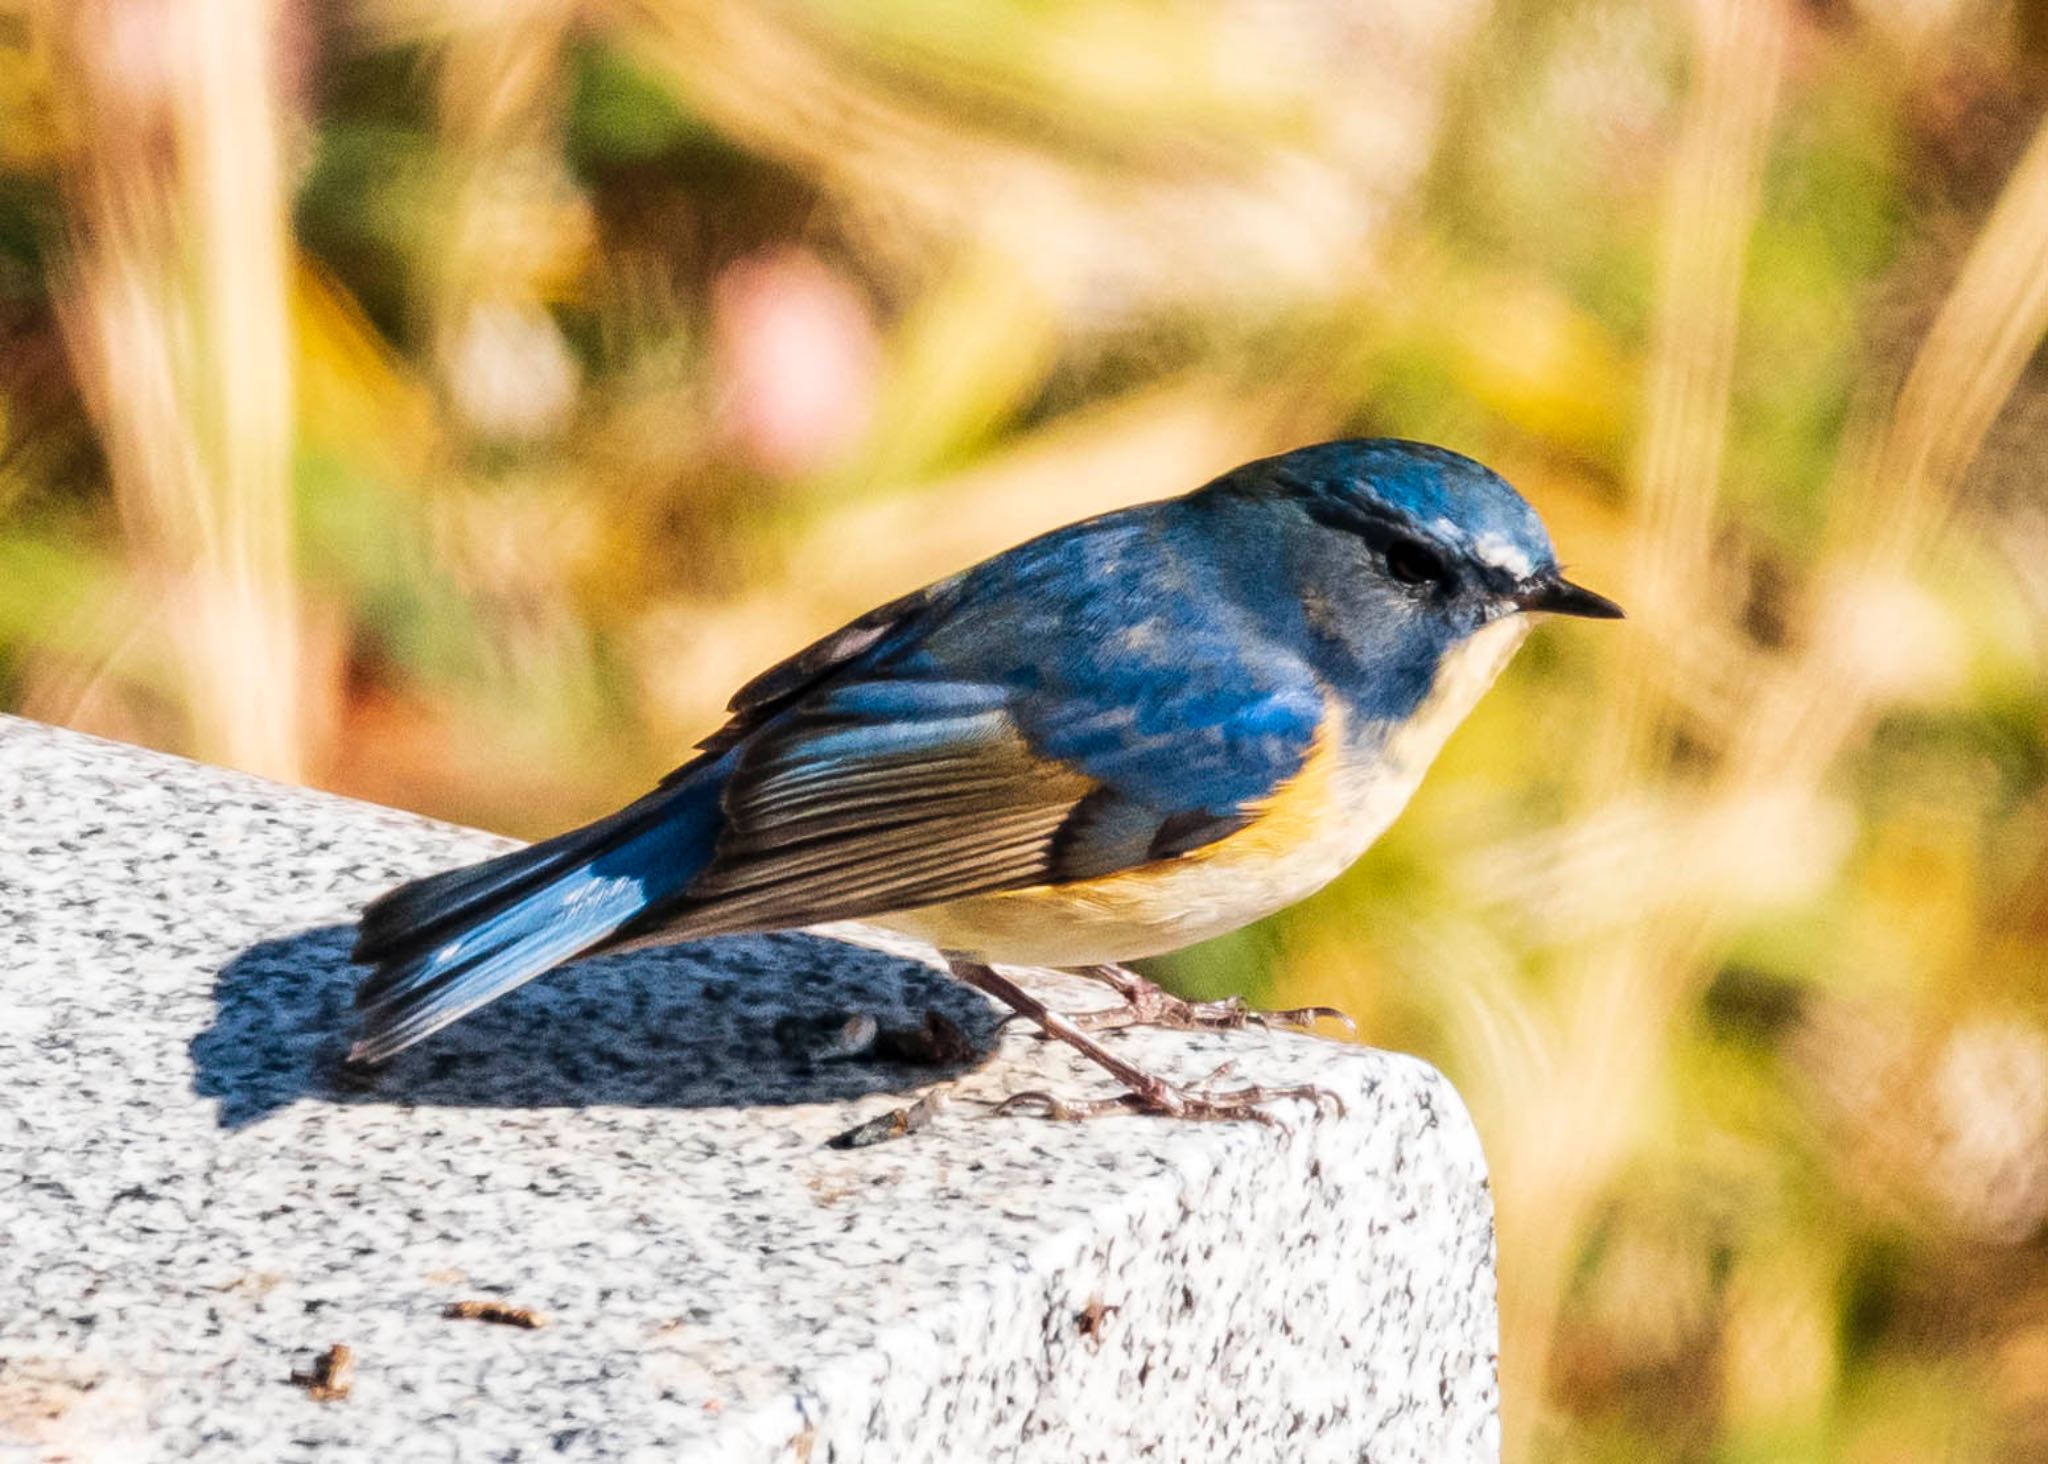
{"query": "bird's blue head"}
(1421, 532)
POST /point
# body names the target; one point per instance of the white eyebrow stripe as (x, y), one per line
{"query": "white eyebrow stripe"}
(1498, 551)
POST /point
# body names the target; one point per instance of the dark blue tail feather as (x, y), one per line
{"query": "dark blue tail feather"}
(447, 944)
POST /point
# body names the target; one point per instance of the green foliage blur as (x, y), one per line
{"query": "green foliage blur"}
(450, 404)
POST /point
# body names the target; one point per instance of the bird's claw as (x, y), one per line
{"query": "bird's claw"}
(1145, 1004)
(1199, 1101)
(1157, 1008)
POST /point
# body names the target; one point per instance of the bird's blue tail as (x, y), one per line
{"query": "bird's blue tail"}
(447, 944)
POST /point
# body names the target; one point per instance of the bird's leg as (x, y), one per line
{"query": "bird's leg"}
(1148, 1005)
(1148, 1093)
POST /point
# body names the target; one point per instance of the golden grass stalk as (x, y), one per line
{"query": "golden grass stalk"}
(1894, 500)
(175, 313)
(1712, 195)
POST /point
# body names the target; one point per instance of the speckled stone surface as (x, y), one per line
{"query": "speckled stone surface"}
(193, 1202)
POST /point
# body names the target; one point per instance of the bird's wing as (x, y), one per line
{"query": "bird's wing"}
(892, 790)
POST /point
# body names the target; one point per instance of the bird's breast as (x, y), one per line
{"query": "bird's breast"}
(1357, 778)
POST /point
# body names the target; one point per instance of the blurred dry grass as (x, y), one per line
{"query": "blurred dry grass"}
(448, 403)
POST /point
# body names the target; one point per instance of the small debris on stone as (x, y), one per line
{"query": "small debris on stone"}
(330, 1376)
(831, 1037)
(1092, 1318)
(936, 1042)
(897, 1123)
(504, 1313)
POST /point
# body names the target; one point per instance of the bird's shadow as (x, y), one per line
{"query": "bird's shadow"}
(733, 1022)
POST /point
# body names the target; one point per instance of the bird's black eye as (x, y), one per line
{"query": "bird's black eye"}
(1413, 562)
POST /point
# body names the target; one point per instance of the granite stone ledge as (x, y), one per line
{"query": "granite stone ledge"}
(193, 1203)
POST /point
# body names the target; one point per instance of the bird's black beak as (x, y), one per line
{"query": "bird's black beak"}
(1557, 595)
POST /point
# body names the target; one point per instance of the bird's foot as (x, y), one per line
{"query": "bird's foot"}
(1148, 1093)
(1202, 1101)
(1148, 1005)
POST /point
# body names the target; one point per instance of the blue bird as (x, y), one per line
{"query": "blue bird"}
(1114, 740)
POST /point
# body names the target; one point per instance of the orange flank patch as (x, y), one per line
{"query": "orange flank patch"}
(1294, 817)
(1305, 835)
(1296, 813)
(1298, 841)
